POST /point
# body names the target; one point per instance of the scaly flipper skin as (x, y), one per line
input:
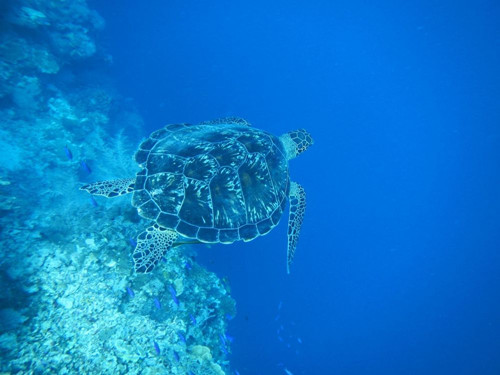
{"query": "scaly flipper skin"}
(111, 188)
(152, 244)
(297, 209)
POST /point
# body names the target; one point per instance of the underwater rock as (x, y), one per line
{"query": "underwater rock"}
(10, 319)
(45, 61)
(202, 361)
(65, 302)
(201, 353)
(103, 329)
(75, 44)
(26, 93)
(12, 158)
(21, 57)
(27, 17)
(61, 109)
(8, 341)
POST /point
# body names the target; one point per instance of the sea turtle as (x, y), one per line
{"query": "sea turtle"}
(214, 182)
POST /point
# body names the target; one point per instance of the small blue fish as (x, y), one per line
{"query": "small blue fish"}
(176, 356)
(236, 372)
(280, 305)
(188, 266)
(229, 338)
(157, 303)
(68, 153)
(173, 293)
(277, 318)
(130, 292)
(157, 347)
(86, 167)
(222, 339)
(299, 340)
(132, 242)
(190, 373)
(193, 319)
(229, 317)
(93, 202)
(181, 336)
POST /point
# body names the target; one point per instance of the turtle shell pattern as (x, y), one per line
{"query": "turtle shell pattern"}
(215, 182)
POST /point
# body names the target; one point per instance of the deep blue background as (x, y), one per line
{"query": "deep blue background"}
(397, 268)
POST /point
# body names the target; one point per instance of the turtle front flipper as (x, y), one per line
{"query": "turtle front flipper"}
(111, 188)
(152, 244)
(297, 198)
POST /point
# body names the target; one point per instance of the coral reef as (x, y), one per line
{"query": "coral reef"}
(86, 322)
(69, 300)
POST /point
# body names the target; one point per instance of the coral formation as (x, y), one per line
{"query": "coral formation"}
(70, 302)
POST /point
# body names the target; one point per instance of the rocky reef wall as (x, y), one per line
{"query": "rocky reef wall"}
(69, 299)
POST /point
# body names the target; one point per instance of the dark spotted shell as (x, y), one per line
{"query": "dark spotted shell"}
(216, 182)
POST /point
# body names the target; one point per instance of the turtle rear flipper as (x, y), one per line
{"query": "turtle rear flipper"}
(152, 244)
(296, 216)
(111, 188)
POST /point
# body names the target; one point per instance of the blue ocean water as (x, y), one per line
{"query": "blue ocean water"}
(397, 266)
(396, 270)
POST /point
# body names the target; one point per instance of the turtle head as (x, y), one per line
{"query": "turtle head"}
(296, 142)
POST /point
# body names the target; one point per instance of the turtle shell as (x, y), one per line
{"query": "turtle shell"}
(215, 182)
